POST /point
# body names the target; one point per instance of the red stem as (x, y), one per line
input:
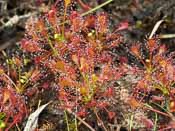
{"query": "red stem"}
(83, 5)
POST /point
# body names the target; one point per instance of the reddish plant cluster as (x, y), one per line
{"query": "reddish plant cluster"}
(157, 77)
(13, 106)
(76, 52)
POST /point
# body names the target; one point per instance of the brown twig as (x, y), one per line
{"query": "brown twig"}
(81, 120)
(101, 122)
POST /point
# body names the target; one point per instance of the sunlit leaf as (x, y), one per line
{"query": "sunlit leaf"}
(67, 2)
(134, 103)
(2, 124)
(75, 59)
(172, 106)
(83, 90)
(94, 78)
(65, 82)
(59, 37)
(60, 65)
(1, 70)
(6, 96)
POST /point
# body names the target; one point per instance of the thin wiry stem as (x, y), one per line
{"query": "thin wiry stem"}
(81, 120)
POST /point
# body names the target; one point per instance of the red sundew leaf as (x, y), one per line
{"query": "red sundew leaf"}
(76, 21)
(65, 82)
(152, 44)
(171, 124)
(102, 104)
(63, 95)
(157, 58)
(67, 107)
(45, 85)
(170, 72)
(83, 5)
(30, 46)
(90, 52)
(104, 58)
(37, 59)
(141, 84)
(75, 39)
(31, 92)
(147, 122)
(113, 44)
(109, 74)
(82, 113)
(73, 15)
(106, 74)
(60, 65)
(71, 72)
(92, 103)
(113, 36)
(14, 74)
(84, 66)
(123, 59)
(157, 98)
(162, 50)
(36, 74)
(41, 58)
(52, 16)
(13, 102)
(111, 114)
(41, 27)
(6, 96)
(173, 91)
(163, 63)
(56, 66)
(135, 49)
(101, 23)
(16, 119)
(89, 22)
(122, 26)
(75, 59)
(51, 13)
(17, 61)
(109, 92)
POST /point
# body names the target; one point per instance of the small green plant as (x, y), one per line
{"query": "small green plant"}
(2, 118)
